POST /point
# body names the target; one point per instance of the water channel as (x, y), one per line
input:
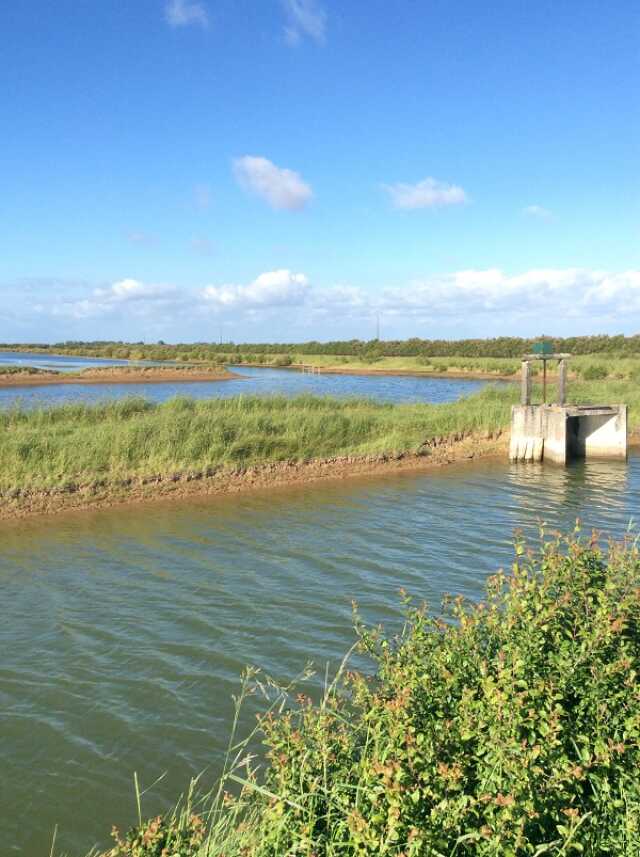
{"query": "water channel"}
(250, 381)
(124, 631)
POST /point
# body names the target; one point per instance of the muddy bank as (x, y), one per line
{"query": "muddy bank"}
(435, 452)
(416, 373)
(117, 375)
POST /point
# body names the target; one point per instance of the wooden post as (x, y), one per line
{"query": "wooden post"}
(562, 382)
(525, 390)
(544, 381)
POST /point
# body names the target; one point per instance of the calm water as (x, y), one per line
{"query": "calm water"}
(59, 362)
(123, 632)
(253, 381)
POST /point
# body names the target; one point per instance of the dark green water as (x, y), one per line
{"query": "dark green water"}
(123, 632)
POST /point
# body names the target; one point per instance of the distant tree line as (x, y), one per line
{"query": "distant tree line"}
(503, 346)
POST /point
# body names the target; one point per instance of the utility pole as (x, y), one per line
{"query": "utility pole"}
(378, 327)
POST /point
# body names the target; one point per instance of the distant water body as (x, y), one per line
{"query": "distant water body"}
(253, 381)
(124, 631)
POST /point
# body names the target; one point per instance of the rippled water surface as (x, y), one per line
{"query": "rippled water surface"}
(123, 632)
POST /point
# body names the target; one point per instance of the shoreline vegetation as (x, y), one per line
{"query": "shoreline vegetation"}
(593, 357)
(86, 456)
(506, 727)
(483, 369)
(29, 376)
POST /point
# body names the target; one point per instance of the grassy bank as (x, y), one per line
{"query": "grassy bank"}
(116, 447)
(504, 729)
(23, 370)
(596, 357)
(133, 438)
(16, 376)
(585, 368)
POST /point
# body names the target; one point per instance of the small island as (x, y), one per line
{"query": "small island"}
(29, 376)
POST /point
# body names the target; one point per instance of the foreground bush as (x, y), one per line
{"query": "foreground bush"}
(505, 728)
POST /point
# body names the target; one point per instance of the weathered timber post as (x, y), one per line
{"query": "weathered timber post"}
(525, 388)
(562, 381)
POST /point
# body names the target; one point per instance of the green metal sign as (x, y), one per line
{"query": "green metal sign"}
(543, 348)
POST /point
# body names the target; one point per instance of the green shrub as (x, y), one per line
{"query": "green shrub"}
(283, 360)
(513, 731)
(161, 837)
(501, 729)
(594, 372)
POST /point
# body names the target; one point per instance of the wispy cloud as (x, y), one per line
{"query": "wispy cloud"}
(202, 246)
(428, 193)
(538, 211)
(283, 189)
(304, 19)
(140, 238)
(478, 301)
(185, 13)
(202, 197)
(125, 297)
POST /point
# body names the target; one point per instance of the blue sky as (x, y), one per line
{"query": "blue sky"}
(288, 169)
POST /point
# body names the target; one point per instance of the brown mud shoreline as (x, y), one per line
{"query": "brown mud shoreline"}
(218, 481)
(412, 373)
(436, 452)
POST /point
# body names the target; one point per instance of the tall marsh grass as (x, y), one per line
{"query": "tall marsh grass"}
(135, 438)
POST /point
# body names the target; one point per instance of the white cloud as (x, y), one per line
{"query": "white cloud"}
(305, 18)
(463, 303)
(271, 289)
(537, 211)
(550, 294)
(133, 290)
(428, 193)
(281, 188)
(183, 13)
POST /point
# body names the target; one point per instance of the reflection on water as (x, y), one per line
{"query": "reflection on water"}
(124, 631)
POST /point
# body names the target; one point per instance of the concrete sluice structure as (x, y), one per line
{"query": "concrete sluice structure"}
(562, 432)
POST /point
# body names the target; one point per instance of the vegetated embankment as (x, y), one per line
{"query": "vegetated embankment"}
(79, 455)
(509, 727)
(14, 376)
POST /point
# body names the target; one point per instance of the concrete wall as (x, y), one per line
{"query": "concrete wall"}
(599, 435)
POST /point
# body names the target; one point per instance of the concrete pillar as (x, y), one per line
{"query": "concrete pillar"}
(562, 382)
(555, 435)
(527, 437)
(525, 389)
